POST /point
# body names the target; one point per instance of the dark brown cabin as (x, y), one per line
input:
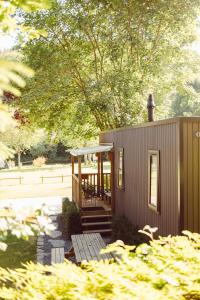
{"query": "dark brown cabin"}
(154, 178)
(157, 173)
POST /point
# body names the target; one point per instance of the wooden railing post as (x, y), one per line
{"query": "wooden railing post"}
(99, 174)
(80, 182)
(72, 161)
(102, 175)
(112, 181)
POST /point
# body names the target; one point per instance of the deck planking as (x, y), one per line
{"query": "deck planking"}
(57, 255)
(88, 246)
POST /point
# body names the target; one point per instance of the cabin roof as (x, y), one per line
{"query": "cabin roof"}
(154, 123)
(91, 150)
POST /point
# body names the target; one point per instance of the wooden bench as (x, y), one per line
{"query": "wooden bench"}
(57, 255)
(88, 246)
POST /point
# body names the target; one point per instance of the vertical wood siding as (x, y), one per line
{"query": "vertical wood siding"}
(133, 201)
(191, 174)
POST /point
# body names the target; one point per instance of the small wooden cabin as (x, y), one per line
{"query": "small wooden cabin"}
(156, 174)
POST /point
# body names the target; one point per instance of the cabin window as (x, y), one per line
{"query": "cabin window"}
(153, 180)
(120, 177)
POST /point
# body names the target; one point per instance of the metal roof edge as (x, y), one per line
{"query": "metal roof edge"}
(151, 124)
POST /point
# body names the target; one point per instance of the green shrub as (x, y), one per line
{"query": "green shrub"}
(18, 252)
(70, 218)
(166, 269)
(123, 230)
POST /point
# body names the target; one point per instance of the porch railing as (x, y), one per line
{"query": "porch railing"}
(91, 185)
(76, 193)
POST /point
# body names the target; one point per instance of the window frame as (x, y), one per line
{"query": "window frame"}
(154, 208)
(119, 151)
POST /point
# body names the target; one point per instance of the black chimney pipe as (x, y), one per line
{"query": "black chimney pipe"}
(150, 107)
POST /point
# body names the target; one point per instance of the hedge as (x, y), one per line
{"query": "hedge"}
(167, 268)
(123, 230)
(70, 218)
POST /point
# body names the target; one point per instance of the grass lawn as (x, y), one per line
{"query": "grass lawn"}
(34, 169)
(54, 168)
(18, 252)
(32, 184)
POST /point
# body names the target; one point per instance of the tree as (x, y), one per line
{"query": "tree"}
(187, 100)
(6, 121)
(20, 139)
(100, 60)
(11, 70)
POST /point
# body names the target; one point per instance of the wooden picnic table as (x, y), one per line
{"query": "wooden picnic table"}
(88, 246)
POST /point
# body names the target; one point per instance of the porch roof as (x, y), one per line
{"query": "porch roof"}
(91, 150)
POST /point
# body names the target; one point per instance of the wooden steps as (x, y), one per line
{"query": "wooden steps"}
(96, 221)
(94, 216)
(109, 230)
(95, 213)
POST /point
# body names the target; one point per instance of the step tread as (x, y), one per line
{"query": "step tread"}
(96, 223)
(95, 216)
(91, 213)
(97, 231)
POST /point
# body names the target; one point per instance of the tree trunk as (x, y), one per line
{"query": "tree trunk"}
(19, 159)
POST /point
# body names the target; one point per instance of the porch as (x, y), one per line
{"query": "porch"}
(93, 190)
(91, 194)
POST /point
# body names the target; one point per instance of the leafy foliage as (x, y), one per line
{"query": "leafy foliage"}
(18, 252)
(43, 148)
(23, 223)
(6, 121)
(11, 70)
(20, 139)
(71, 220)
(9, 74)
(11, 78)
(100, 59)
(166, 269)
(186, 101)
(123, 230)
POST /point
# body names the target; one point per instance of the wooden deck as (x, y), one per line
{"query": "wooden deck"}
(88, 192)
(95, 202)
(57, 255)
(88, 246)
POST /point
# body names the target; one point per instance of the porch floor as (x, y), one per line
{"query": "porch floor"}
(95, 202)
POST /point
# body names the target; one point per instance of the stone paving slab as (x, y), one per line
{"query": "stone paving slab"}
(55, 234)
(57, 243)
(46, 242)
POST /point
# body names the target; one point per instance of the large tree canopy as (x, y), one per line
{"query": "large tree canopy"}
(101, 58)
